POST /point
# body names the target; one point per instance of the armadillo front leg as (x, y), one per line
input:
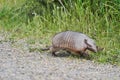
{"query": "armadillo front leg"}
(84, 53)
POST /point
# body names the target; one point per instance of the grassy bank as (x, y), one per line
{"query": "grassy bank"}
(101, 22)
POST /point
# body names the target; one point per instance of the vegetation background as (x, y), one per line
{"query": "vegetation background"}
(39, 20)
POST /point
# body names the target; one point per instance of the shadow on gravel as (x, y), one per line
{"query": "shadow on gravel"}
(61, 54)
(66, 54)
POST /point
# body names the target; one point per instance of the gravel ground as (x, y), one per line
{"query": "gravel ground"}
(20, 64)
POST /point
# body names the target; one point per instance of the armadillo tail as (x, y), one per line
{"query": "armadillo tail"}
(45, 49)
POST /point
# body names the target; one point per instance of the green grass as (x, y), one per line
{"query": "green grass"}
(103, 25)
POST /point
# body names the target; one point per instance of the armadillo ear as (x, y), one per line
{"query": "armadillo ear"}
(85, 40)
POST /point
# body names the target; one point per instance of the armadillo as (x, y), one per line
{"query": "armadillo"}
(73, 42)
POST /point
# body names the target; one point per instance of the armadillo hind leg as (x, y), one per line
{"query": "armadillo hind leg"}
(53, 51)
(68, 52)
(53, 54)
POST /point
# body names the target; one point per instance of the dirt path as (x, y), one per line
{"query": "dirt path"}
(20, 64)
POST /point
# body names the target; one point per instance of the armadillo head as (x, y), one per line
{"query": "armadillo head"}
(91, 45)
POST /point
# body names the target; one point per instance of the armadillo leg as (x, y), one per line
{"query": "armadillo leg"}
(53, 50)
(53, 54)
(68, 52)
(99, 49)
(84, 53)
